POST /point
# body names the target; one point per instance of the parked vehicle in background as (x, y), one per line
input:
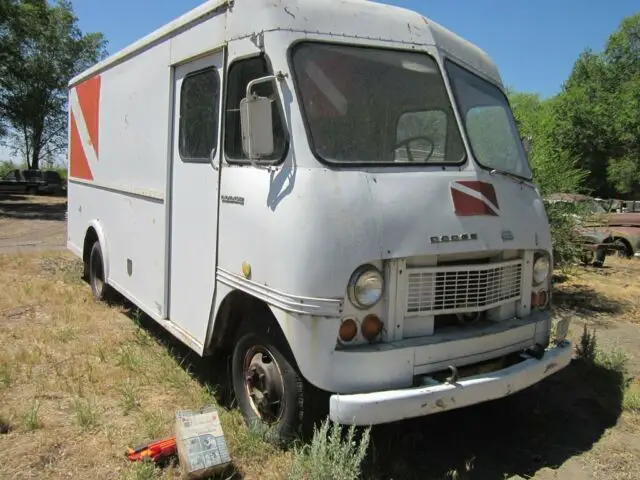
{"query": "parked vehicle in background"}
(339, 203)
(32, 182)
(625, 229)
(590, 218)
(44, 181)
(597, 244)
(13, 182)
(623, 219)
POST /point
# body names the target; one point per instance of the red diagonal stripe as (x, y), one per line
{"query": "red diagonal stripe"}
(89, 98)
(484, 188)
(465, 205)
(78, 164)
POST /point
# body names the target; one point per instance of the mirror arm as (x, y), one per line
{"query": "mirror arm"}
(279, 75)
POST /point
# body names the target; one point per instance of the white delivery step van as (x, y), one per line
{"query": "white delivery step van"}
(332, 192)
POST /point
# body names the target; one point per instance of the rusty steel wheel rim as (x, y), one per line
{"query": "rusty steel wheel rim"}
(263, 383)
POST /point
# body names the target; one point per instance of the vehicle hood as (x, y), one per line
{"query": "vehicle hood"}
(624, 220)
(594, 235)
(368, 215)
(323, 223)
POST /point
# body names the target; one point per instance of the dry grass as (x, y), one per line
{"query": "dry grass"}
(614, 289)
(607, 300)
(80, 382)
(31, 222)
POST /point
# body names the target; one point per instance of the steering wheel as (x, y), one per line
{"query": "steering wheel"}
(405, 143)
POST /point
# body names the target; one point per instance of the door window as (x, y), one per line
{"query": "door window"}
(198, 135)
(240, 74)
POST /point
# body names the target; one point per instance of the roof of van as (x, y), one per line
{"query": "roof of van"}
(358, 19)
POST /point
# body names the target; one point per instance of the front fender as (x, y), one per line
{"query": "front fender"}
(630, 234)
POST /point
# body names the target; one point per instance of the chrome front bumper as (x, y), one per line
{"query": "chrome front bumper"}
(392, 405)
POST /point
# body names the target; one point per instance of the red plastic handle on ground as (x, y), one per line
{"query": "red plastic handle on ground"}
(154, 450)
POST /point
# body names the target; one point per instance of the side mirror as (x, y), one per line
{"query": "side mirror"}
(526, 143)
(257, 126)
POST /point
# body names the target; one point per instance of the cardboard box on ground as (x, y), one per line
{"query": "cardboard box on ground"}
(202, 449)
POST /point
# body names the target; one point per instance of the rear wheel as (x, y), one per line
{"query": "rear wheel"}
(101, 291)
(622, 248)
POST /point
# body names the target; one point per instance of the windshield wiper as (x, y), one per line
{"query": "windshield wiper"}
(513, 176)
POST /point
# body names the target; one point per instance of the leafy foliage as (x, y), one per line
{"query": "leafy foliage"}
(588, 136)
(586, 139)
(597, 114)
(41, 49)
(566, 239)
(329, 455)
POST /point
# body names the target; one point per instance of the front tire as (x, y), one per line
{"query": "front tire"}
(267, 386)
(599, 257)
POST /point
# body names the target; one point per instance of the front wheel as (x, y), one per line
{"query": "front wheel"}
(268, 388)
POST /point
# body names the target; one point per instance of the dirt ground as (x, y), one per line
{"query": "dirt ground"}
(32, 223)
(80, 381)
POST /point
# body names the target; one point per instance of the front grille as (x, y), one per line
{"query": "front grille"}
(463, 288)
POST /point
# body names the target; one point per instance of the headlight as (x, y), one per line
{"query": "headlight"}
(366, 286)
(541, 269)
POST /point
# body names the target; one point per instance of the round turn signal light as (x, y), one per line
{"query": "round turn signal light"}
(348, 330)
(540, 299)
(371, 327)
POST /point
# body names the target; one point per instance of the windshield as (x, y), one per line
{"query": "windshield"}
(593, 207)
(373, 106)
(489, 123)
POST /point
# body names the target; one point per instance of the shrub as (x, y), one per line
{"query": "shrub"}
(329, 455)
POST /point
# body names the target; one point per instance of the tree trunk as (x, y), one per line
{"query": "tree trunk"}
(35, 152)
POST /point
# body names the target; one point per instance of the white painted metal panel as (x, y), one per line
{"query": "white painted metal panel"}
(194, 220)
(134, 114)
(134, 232)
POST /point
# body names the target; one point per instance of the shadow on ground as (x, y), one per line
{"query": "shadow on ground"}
(540, 427)
(19, 207)
(584, 300)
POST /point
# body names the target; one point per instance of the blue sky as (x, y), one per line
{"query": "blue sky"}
(534, 42)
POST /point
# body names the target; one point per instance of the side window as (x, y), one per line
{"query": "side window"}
(199, 96)
(426, 135)
(240, 74)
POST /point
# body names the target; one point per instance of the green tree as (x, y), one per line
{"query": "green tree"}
(598, 113)
(622, 55)
(41, 49)
(554, 169)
